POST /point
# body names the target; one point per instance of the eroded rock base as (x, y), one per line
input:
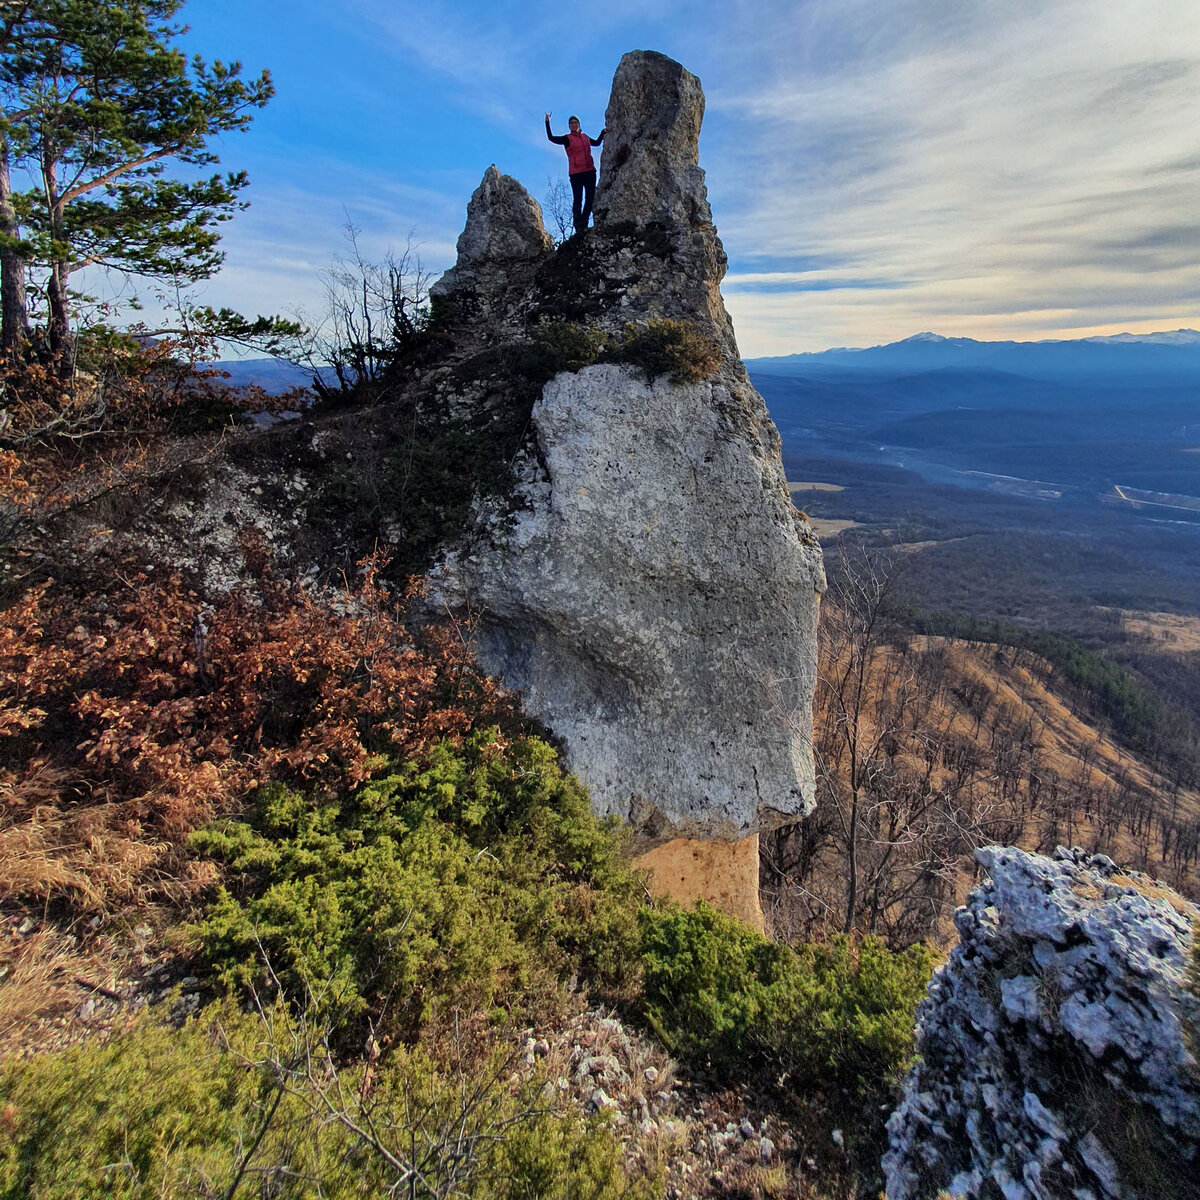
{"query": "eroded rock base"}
(725, 874)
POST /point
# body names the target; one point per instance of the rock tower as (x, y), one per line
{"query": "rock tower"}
(645, 582)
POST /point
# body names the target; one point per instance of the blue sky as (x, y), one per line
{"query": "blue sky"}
(990, 168)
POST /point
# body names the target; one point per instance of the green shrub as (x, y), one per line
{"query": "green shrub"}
(155, 1111)
(681, 349)
(709, 981)
(238, 1107)
(458, 880)
(559, 346)
(840, 1014)
(857, 1019)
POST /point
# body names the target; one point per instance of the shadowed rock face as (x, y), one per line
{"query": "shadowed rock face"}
(499, 249)
(647, 583)
(1053, 1062)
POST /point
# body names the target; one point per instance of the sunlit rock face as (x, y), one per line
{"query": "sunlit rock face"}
(1053, 1058)
(650, 166)
(647, 583)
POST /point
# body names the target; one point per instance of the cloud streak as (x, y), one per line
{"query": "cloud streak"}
(1018, 164)
(876, 167)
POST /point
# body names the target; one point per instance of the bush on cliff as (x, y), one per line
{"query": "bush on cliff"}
(131, 716)
(464, 879)
(558, 346)
(837, 1014)
(240, 1106)
(681, 349)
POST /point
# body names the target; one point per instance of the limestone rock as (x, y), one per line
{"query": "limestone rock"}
(654, 236)
(1053, 1061)
(499, 248)
(645, 581)
(655, 602)
(649, 168)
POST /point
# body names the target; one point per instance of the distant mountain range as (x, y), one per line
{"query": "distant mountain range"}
(270, 374)
(1167, 359)
(1088, 416)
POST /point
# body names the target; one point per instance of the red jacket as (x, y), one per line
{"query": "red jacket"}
(579, 149)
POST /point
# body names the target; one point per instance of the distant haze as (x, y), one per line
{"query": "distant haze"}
(1089, 427)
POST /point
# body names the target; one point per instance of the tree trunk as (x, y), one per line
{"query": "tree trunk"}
(59, 325)
(852, 864)
(14, 319)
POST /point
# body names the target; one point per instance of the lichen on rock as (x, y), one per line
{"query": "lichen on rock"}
(1052, 1056)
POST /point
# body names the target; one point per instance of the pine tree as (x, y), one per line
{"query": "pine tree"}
(98, 101)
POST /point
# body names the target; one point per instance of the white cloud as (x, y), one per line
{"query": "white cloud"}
(1026, 162)
(876, 166)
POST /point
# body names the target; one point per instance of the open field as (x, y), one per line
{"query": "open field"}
(1171, 631)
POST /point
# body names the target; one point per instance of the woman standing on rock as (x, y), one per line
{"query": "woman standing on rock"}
(581, 168)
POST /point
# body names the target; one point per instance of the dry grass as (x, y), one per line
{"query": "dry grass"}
(826, 529)
(985, 752)
(1062, 733)
(61, 986)
(37, 983)
(1153, 890)
(1170, 631)
(97, 856)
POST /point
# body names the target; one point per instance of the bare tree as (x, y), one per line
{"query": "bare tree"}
(558, 210)
(433, 1137)
(852, 759)
(896, 798)
(373, 316)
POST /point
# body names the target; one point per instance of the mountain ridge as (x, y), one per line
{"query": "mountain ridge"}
(1166, 337)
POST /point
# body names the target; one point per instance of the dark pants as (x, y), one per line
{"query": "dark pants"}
(583, 192)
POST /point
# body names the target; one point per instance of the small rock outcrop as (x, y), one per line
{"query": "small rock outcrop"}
(644, 579)
(499, 250)
(1053, 1055)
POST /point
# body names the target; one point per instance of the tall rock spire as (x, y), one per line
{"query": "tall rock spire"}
(646, 581)
(650, 168)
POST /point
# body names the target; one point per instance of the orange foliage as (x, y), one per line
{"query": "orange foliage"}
(65, 442)
(150, 712)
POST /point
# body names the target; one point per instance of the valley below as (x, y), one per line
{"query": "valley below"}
(1038, 540)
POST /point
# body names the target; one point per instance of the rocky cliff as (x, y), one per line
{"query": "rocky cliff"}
(571, 453)
(1054, 1061)
(642, 577)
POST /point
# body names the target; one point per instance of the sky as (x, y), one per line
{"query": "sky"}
(986, 168)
